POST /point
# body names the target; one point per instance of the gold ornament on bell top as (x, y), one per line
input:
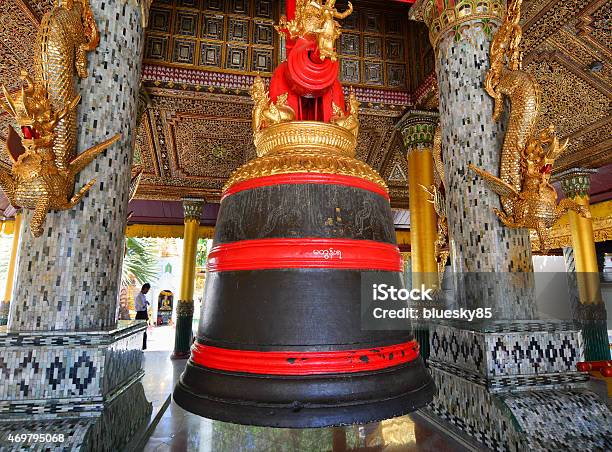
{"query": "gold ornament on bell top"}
(286, 146)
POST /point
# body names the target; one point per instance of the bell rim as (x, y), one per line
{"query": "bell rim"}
(295, 415)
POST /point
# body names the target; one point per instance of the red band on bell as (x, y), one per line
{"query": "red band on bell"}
(305, 178)
(305, 253)
(304, 363)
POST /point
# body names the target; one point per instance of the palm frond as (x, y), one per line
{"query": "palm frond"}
(141, 261)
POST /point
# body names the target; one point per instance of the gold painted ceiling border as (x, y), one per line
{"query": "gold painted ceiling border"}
(240, 93)
(154, 192)
(166, 231)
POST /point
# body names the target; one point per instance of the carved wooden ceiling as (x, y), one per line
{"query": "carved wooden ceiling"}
(200, 138)
(195, 130)
(568, 48)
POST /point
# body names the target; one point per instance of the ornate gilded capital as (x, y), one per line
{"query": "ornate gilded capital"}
(576, 181)
(184, 308)
(193, 208)
(418, 128)
(444, 18)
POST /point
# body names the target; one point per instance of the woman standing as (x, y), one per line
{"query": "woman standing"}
(141, 304)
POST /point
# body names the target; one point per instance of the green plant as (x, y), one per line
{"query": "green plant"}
(141, 261)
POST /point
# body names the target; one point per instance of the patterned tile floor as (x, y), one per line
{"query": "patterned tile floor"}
(179, 430)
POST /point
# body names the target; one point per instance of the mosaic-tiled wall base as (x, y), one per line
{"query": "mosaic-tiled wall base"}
(517, 390)
(479, 241)
(509, 354)
(110, 429)
(123, 418)
(74, 430)
(547, 420)
(84, 385)
(68, 278)
(52, 374)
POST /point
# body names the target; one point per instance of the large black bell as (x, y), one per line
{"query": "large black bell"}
(280, 341)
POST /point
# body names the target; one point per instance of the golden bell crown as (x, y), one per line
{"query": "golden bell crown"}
(289, 143)
(307, 136)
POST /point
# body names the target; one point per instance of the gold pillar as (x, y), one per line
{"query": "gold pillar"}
(192, 210)
(190, 244)
(576, 184)
(422, 215)
(590, 312)
(417, 128)
(10, 276)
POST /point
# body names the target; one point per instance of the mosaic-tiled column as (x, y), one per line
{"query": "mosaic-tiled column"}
(192, 212)
(502, 381)
(10, 274)
(68, 366)
(590, 312)
(461, 34)
(68, 279)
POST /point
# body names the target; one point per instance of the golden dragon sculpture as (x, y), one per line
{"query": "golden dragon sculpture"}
(44, 159)
(528, 199)
(437, 197)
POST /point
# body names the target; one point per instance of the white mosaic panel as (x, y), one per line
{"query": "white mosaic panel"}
(507, 354)
(66, 375)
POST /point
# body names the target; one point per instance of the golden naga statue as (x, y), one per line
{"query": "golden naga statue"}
(438, 199)
(45, 161)
(528, 200)
(315, 18)
(348, 121)
(36, 180)
(265, 112)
